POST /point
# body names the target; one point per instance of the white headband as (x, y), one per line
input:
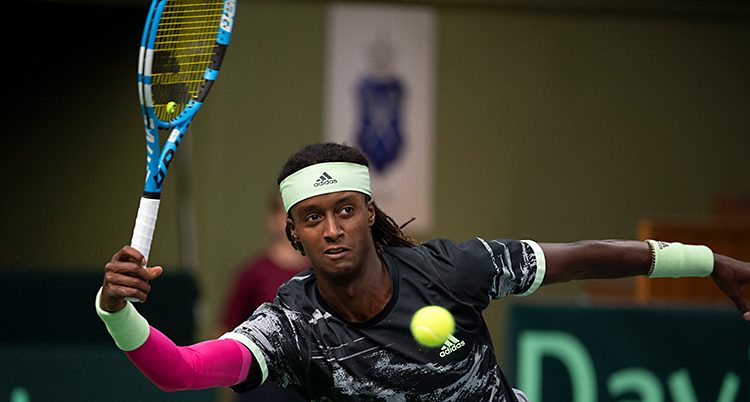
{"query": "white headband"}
(324, 178)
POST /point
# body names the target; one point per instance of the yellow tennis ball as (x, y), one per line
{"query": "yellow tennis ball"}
(432, 325)
(171, 107)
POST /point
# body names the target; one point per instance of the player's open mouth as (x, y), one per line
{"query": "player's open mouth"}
(335, 251)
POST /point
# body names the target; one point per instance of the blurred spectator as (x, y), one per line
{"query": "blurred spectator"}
(257, 282)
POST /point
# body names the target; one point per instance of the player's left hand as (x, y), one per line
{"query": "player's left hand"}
(730, 276)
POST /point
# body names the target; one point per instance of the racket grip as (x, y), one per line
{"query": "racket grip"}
(145, 223)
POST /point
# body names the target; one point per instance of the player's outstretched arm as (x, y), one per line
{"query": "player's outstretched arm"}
(212, 363)
(610, 259)
(595, 259)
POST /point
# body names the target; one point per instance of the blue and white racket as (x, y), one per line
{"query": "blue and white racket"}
(183, 44)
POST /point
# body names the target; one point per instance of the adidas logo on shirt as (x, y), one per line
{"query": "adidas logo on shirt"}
(324, 179)
(451, 345)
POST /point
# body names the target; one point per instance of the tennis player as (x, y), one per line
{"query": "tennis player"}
(340, 330)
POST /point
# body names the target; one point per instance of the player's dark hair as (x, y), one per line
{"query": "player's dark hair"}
(385, 231)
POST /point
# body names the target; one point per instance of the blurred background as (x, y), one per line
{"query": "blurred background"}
(587, 119)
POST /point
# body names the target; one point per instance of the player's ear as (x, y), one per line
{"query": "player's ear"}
(292, 234)
(292, 228)
(371, 212)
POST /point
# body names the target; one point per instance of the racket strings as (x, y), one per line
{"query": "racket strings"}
(184, 46)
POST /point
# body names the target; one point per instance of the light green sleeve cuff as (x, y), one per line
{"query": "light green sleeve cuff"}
(541, 267)
(127, 327)
(254, 349)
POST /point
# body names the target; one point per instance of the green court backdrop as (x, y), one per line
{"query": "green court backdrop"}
(629, 354)
(82, 373)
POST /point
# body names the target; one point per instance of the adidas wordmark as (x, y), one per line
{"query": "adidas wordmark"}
(451, 345)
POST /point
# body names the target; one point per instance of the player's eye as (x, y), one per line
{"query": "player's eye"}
(312, 218)
(347, 210)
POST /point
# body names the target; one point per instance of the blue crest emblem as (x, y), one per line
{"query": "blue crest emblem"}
(379, 135)
(380, 95)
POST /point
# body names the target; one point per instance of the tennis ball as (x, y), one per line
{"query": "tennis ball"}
(171, 107)
(432, 325)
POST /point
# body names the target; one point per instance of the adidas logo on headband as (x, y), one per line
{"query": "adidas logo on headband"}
(324, 179)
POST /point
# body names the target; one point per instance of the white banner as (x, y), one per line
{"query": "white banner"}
(379, 97)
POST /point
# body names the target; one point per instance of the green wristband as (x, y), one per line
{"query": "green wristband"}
(677, 260)
(127, 327)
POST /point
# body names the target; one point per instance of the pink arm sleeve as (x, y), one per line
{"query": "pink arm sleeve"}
(213, 363)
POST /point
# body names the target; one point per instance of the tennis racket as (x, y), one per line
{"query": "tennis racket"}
(183, 44)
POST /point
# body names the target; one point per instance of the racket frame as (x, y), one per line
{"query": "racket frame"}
(159, 157)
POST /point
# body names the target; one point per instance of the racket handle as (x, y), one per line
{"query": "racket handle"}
(145, 223)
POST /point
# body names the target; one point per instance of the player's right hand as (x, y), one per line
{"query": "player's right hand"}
(126, 276)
